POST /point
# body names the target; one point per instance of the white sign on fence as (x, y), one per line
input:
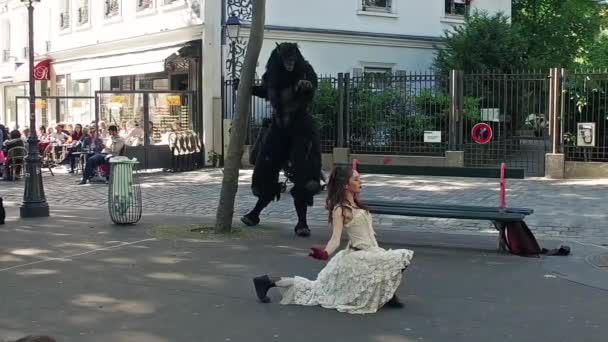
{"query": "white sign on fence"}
(586, 134)
(432, 136)
(490, 114)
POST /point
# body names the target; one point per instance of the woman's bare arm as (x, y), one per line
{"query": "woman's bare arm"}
(337, 223)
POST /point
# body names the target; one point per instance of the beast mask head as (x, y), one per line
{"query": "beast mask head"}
(289, 53)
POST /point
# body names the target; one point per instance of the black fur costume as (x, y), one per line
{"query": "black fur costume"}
(289, 83)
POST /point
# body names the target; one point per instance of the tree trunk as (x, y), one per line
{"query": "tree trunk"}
(230, 183)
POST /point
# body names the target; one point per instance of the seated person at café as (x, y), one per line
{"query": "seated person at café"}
(13, 141)
(90, 144)
(114, 148)
(57, 137)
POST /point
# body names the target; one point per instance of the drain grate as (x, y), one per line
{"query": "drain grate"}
(600, 260)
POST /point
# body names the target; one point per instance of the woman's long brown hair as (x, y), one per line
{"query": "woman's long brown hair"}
(336, 192)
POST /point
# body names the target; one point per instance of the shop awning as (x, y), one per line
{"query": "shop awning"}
(144, 62)
(41, 71)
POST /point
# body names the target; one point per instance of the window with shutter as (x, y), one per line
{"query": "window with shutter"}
(457, 7)
(111, 9)
(377, 5)
(143, 5)
(83, 12)
(64, 14)
(5, 42)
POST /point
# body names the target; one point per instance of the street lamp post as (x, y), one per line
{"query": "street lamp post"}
(34, 200)
(233, 28)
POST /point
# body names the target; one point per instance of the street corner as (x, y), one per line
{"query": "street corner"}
(587, 265)
(600, 261)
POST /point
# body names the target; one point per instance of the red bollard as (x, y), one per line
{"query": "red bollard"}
(503, 188)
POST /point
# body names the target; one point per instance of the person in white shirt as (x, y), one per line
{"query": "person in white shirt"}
(114, 148)
(59, 136)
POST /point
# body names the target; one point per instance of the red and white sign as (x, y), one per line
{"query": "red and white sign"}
(482, 133)
(42, 70)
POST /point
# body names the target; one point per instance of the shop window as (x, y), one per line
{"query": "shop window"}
(60, 86)
(80, 88)
(12, 117)
(157, 81)
(126, 112)
(168, 113)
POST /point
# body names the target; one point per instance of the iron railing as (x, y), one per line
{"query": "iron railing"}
(370, 114)
(585, 115)
(324, 109)
(396, 114)
(515, 106)
(388, 114)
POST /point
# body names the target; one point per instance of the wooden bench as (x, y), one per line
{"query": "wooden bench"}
(500, 218)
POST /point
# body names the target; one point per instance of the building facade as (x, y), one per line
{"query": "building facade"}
(105, 54)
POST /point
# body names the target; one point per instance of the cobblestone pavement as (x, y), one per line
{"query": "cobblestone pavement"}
(564, 209)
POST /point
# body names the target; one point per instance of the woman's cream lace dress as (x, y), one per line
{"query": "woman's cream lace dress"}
(359, 279)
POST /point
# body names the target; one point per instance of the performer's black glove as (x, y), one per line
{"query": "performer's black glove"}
(235, 84)
(303, 85)
(319, 253)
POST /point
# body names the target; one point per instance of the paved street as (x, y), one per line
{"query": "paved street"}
(92, 281)
(567, 209)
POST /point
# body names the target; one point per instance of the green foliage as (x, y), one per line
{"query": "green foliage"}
(325, 105)
(393, 117)
(372, 110)
(542, 34)
(556, 32)
(471, 109)
(597, 55)
(429, 103)
(485, 42)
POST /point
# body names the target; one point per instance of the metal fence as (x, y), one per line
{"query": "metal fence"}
(427, 114)
(325, 110)
(390, 114)
(374, 113)
(585, 115)
(515, 107)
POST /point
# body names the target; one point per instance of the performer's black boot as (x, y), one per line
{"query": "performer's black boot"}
(301, 228)
(262, 285)
(253, 217)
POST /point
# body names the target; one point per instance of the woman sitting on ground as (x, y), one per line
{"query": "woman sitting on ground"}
(359, 279)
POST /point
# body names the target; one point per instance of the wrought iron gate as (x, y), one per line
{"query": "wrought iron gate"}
(516, 107)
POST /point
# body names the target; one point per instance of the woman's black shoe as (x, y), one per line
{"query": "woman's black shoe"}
(394, 303)
(262, 285)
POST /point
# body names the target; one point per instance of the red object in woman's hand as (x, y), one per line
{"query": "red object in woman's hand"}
(319, 253)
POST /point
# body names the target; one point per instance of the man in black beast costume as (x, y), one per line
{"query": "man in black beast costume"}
(290, 84)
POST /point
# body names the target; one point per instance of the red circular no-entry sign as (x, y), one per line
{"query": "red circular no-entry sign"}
(482, 133)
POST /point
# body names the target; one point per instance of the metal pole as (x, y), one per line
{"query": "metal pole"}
(233, 72)
(34, 200)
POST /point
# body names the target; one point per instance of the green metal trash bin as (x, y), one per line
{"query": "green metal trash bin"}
(124, 192)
